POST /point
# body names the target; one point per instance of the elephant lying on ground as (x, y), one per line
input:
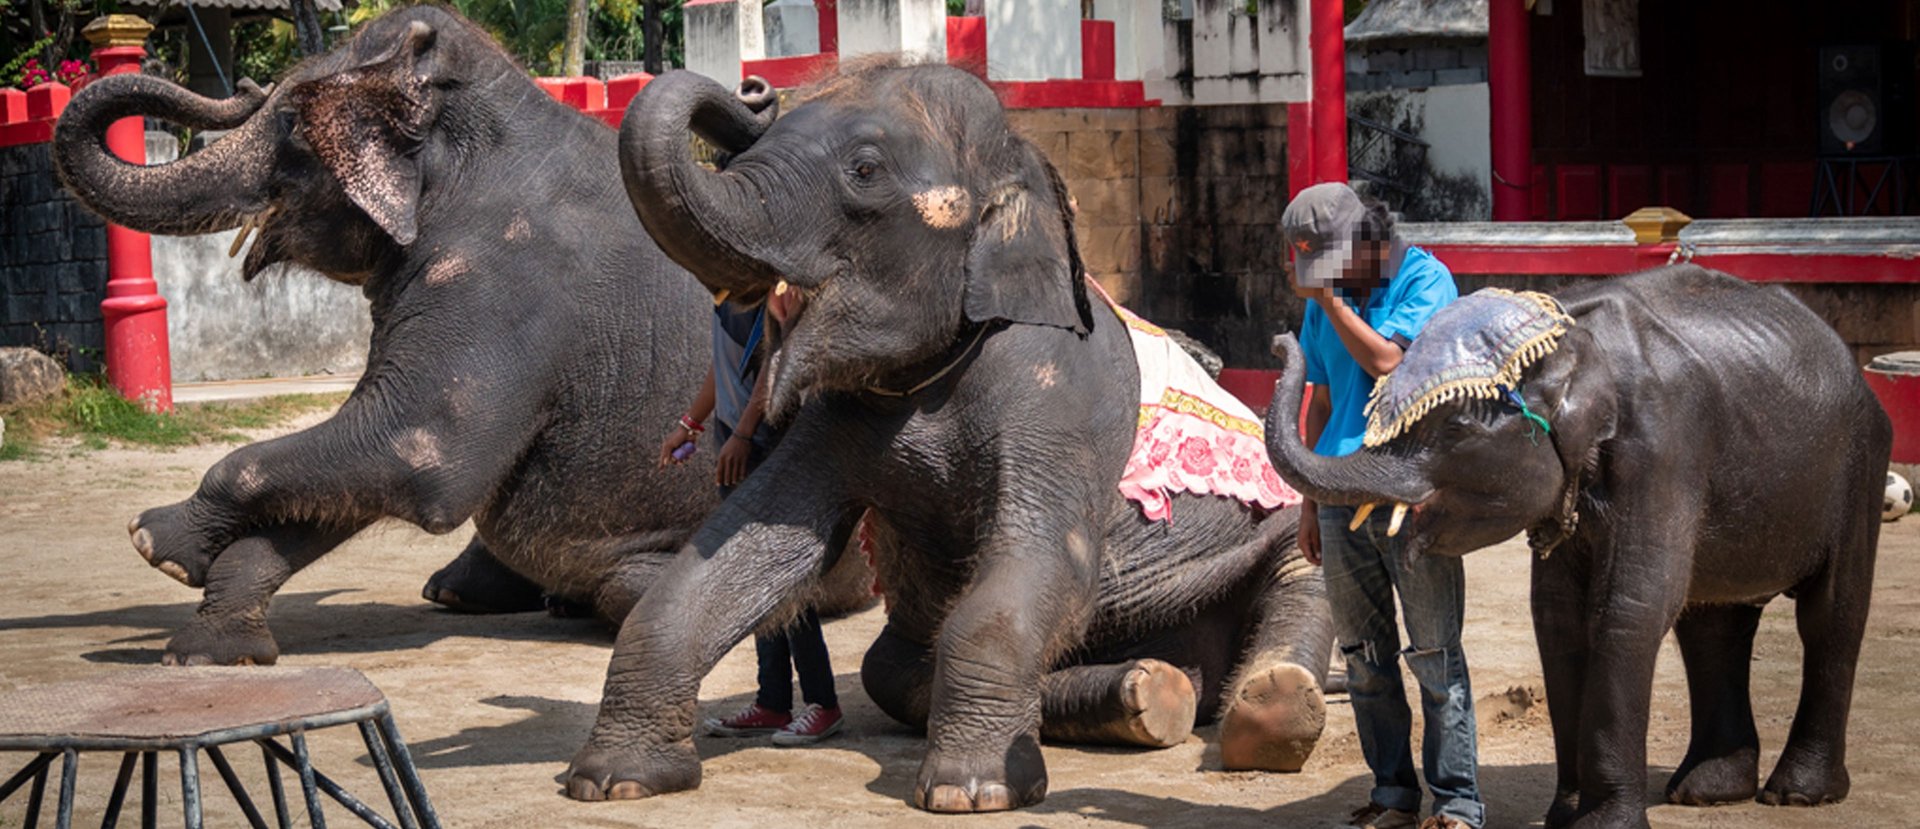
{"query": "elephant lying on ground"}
(530, 343)
(1712, 445)
(950, 374)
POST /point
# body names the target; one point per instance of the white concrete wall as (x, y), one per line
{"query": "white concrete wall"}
(1139, 47)
(287, 322)
(720, 34)
(793, 28)
(915, 27)
(1459, 126)
(1033, 40)
(1236, 58)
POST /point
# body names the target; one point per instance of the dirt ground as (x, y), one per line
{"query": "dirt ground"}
(494, 706)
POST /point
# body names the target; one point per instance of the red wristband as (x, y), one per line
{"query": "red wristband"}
(690, 425)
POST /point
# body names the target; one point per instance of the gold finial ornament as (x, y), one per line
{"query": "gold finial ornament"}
(1653, 225)
(117, 30)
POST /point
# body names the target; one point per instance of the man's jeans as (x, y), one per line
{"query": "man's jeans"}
(1363, 570)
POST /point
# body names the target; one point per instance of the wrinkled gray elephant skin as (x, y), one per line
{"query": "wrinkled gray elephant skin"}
(530, 342)
(1713, 446)
(950, 374)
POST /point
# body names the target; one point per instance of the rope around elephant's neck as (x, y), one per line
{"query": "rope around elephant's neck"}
(922, 385)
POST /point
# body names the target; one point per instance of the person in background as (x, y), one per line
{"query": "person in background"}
(1369, 295)
(734, 394)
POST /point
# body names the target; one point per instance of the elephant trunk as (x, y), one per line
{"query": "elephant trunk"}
(214, 189)
(715, 224)
(1362, 478)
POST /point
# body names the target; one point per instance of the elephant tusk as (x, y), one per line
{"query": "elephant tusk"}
(781, 289)
(240, 239)
(1360, 517)
(1393, 524)
(720, 296)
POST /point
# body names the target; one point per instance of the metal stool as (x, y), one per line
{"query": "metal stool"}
(189, 710)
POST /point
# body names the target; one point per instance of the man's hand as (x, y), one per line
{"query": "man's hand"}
(733, 461)
(1309, 537)
(1322, 293)
(675, 439)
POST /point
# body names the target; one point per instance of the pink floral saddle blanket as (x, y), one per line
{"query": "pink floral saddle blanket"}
(1192, 436)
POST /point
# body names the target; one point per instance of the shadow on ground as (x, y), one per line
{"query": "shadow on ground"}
(307, 623)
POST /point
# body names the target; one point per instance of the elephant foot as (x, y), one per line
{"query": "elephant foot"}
(1563, 811)
(240, 642)
(631, 773)
(1805, 782)
(1730, 778)
(1624, 817)
(1159, 702)
(995, 783)
(166, 539)
(1273, 720)
(476, 582)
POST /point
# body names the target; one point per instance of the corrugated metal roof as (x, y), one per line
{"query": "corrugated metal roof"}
(1383, 19)
(239, 5)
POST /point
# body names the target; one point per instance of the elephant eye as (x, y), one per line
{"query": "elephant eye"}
(864, 169)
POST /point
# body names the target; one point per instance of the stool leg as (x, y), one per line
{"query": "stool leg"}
(37, 794)
(308, 787)
(234, 786)
(26, 772)
(149, 791)
(190, 785)
(279, 792)
(378, 752)
(69, 766)
(409, 776)
(119, 796)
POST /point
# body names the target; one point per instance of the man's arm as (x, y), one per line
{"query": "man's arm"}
(1375, 354)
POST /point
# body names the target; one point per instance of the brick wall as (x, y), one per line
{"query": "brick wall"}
(53, 262)
(1179, 214)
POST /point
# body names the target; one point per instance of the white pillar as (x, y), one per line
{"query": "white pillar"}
(793, 28)
(1033, 40)
(1283, 37)
(720, 34)
(1139, 47)
(917, 28)
(1223, 40)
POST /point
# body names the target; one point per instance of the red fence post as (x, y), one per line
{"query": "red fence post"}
(1510, 91)
(1328, 45)
(138, 363)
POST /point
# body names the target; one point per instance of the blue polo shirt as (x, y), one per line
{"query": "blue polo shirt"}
(1399, 308)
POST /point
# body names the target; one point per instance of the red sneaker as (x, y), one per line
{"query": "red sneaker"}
(813, 725)
(751, 721)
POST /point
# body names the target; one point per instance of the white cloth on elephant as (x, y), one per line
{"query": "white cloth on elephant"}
(1193, 436)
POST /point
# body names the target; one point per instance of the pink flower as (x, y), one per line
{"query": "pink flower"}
(1196, 457)
(1270, 480)
(1157, 452)
(1243, 469)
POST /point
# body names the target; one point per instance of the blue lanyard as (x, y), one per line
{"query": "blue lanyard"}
(753, 340)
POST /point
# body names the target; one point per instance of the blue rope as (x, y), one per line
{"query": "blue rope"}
(1517, 401)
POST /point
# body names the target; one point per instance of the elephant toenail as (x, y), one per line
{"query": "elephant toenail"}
(175, 572)
(143, 544)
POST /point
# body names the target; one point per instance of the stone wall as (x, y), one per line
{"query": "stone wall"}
(1179, 214)
(53, 263)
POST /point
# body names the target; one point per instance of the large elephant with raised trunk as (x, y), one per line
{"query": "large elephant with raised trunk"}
(529, 343)
(953, 375)
(1681, 447)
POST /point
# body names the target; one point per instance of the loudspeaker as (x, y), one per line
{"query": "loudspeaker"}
(1866, 100)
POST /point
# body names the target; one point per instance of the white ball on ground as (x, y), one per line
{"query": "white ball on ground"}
(1899, 498)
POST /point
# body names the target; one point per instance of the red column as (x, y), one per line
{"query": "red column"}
(1299, 148)
(829, 26)
(138, 363)
(1510, 90)
(1329, 47)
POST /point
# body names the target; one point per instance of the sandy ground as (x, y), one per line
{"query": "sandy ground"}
(495, 706)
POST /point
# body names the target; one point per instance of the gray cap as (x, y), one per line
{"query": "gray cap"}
(1320, 226)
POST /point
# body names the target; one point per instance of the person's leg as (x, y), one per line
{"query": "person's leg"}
(1433, 598)
(1360, 594)
(776, 677)
(809, 646)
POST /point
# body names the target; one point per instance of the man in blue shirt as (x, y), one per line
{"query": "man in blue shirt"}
(1370, 294)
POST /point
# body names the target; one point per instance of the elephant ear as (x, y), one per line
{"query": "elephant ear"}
(367, 124)
(1023, 265)
(1578, 397)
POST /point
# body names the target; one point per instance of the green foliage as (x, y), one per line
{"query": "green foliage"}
(10, 73)
(533, 30)
(264, 49)
(94, 416)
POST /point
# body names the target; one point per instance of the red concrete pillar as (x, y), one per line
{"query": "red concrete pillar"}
(1510, 91)
(138, 364)
(1329, 47)
(829, 26)
(1299, 148)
